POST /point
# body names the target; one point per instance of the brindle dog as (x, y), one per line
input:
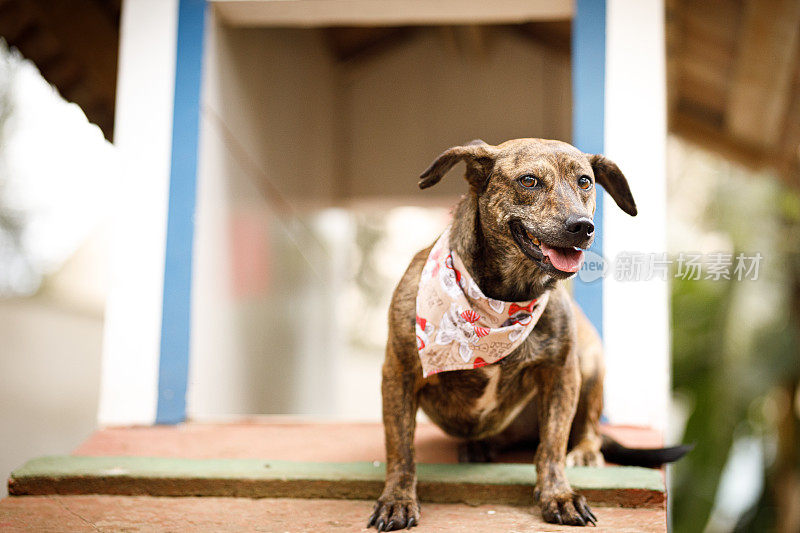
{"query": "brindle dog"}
(525, 195)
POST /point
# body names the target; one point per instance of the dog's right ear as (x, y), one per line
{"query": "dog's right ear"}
(608, 174)
(478, 155)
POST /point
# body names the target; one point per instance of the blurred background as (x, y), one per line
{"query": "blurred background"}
(307, 217)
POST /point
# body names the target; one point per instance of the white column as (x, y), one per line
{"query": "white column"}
(143, 136)
(635, 313)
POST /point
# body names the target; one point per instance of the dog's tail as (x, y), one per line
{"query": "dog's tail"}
(614, 452)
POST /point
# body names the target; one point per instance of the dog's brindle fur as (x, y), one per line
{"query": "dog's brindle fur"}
(548, 391)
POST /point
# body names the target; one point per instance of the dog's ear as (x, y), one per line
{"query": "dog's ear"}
(478, 155)
(608, 174)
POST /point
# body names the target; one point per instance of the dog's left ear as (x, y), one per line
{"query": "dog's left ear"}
(478, 155)
(608, 174)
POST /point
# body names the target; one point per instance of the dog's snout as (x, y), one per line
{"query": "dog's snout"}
(580, 226)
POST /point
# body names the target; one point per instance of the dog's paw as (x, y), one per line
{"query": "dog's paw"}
(476, 451)
(567, 509)
(392, 514)
(582, 456)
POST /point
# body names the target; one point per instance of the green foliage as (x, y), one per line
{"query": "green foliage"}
(733, 344)
(699, 309)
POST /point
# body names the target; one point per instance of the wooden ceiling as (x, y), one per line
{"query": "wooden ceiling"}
(733, 69)
(733, 66)
(74, 43)
(353, 43)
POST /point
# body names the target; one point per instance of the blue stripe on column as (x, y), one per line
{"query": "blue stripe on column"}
(173, 372)
(588, 122)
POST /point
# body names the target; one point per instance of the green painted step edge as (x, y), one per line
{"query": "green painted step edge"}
(69, 466)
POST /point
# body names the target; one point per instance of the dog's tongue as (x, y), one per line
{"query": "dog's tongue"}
(564, 259)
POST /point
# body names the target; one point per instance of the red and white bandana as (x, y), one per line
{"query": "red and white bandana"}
(459, 328)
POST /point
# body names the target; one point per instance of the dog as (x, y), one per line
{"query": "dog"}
(518, 233)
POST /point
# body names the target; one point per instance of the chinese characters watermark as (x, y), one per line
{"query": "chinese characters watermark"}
(643, 266)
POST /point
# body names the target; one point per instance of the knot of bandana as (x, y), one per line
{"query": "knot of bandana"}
(459, 328)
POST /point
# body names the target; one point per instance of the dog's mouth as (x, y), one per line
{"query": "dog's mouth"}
(564, 260)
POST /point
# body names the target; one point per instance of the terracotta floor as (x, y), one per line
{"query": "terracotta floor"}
(292, 440)
(138, 513)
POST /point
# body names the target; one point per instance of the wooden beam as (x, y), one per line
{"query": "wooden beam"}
(316, 13)
(349, 43)
(789, 148)
(717, 140)
(767, 56)
(74, 45)
(554, 34)
(473, 39)
(674, 33)
(85, 33)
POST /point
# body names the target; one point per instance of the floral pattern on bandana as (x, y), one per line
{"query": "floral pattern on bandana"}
(459, 328)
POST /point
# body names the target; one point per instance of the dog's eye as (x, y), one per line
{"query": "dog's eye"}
(584, 182)
(528, 181)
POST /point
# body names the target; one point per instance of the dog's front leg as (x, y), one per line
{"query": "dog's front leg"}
(558, 388)
(398, 506)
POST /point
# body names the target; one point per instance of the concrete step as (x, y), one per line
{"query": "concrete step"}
(473, 484)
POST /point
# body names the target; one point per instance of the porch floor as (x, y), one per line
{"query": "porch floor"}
(143, 513)
(310, 461)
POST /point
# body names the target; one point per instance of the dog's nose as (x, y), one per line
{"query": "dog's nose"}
(580, 226)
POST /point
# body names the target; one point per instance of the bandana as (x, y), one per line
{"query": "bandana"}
(459, 328)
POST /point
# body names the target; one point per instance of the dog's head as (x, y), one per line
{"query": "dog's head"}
(538, 196)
